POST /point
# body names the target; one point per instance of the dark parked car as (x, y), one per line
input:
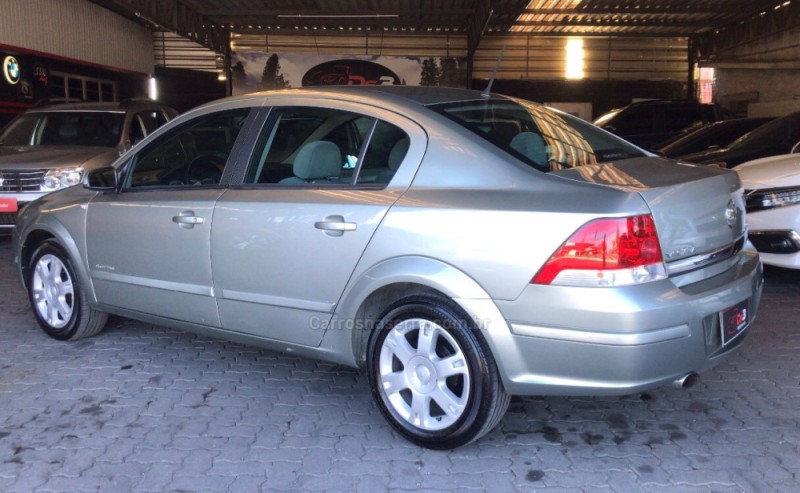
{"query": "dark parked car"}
(647, 123)
(52, 147)
(716, 135)
(780, 136)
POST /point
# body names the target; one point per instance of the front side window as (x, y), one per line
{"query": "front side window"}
(539, 136)
(193, 154)
(320, 146)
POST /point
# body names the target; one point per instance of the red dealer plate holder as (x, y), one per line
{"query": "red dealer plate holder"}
(733, 321)
(8, 205)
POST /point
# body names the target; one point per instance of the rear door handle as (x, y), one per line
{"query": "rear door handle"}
(187, 219)
(335, 225)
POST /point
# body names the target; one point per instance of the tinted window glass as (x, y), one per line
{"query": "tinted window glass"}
(780, 135)
(193, 154)
(316, 146)
(151, 119)
(542, 138)
(387, 147)
(680, 117)
(84, 128)
(633, 121)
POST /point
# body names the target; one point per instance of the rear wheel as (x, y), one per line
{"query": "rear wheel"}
(57, 297)
(432, 374)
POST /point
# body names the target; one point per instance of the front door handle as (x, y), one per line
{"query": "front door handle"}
(187, 219)
(335, 225)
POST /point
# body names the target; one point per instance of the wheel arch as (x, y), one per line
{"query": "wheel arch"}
(52, 230)
(374, 290)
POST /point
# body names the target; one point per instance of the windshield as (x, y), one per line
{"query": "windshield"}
(541, 137)
(780, 135)
(73, 128)
(605, 118)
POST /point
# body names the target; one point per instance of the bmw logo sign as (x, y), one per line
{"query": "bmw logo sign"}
(11, 69)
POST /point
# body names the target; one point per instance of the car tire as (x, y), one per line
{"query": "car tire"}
(57, 297)
(433, 375)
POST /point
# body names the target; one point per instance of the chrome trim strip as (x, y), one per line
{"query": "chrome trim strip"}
(265, 299)
(606, 338)
(154, 283)
(698, 261)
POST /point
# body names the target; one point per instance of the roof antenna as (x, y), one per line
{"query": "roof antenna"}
(487, 93)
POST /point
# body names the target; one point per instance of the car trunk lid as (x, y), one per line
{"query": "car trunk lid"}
(698, 210)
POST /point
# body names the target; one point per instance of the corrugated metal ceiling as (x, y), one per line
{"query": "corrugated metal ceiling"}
(577, 17)
(713, 23)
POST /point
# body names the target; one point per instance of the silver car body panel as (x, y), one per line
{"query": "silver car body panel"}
(460, 217)
(139, 258)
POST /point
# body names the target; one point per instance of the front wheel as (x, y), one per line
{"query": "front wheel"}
(433, 375)
(57, 297)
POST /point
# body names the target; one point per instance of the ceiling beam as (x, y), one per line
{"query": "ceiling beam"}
(759, 25)
(477, 25)
(173, 16)
(358, 13)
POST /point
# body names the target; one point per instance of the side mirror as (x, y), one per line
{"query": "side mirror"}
(101, 179)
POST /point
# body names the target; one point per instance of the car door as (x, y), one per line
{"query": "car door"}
(148, 245)
(285, 243)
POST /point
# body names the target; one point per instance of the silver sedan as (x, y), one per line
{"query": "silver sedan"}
(460, 248)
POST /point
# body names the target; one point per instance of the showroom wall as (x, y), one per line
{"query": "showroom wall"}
(78, 30)
(615, 71)
(760, 77)
(68, 51)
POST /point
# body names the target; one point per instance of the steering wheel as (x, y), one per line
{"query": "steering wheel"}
(206, 169)
(795, 149)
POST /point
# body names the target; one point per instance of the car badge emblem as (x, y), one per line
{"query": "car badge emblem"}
(731, 214)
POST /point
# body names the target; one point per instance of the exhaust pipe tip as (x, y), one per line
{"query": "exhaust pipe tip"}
(686, 381)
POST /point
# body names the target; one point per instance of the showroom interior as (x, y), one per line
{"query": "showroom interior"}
(148, 407)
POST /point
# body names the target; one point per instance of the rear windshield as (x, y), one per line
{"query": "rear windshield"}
(73, 128)
(539, 136)
(780, 134)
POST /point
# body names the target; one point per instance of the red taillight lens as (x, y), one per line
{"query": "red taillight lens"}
(611, 251)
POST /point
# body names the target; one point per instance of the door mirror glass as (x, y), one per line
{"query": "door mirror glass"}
(102, 179)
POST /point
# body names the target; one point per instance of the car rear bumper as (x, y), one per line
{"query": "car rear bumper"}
(616, 341)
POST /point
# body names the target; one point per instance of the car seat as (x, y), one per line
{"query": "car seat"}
(532, 146)
(316, 162)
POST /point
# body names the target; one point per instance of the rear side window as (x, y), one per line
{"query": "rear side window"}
(302, 146)
(633, 122)
(680, 117)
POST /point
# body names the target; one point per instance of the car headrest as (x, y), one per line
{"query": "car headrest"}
(398, 152)
(320, 159)
(530, 145)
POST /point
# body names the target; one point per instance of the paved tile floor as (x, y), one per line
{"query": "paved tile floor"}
(148, 409)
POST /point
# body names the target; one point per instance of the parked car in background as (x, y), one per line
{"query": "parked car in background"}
(393, 228)
(772, 195)
(647, 123)
(716, 135)
(52, 147)
(780, 136)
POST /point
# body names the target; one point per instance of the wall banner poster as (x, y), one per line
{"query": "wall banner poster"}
(258, 71)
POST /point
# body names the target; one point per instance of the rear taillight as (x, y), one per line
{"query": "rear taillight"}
(607, 252)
